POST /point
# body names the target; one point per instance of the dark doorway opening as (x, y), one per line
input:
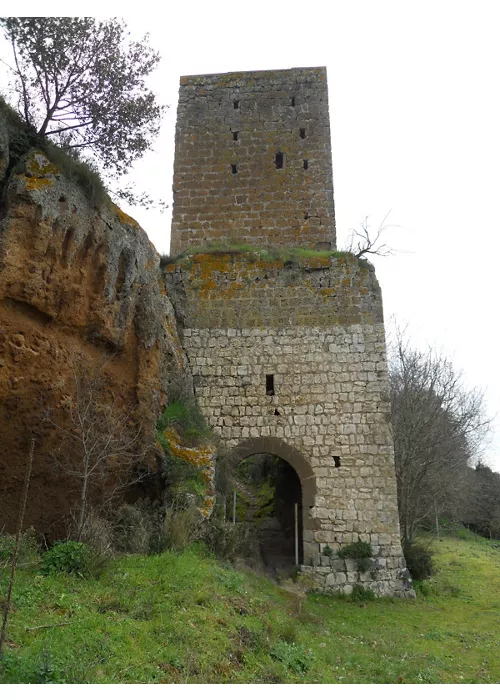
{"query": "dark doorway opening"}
(269, 500)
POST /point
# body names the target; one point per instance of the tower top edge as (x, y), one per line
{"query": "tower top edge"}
(299, 75)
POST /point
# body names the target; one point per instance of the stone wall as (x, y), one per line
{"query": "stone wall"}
(253, 160)
(315, 326)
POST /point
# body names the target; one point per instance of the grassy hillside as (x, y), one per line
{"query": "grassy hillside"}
(180, 618)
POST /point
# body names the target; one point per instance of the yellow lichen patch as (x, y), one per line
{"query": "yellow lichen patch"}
(39, 166)
(125, 218)
(37, 183)
(200, 456)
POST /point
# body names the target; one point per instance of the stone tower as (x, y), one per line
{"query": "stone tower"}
(287, 348)
(253, 162)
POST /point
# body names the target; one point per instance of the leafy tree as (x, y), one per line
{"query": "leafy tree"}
(81, 82)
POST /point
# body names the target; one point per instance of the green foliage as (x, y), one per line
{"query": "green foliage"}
(327, 551)
(360, 594)
(186, 418)
(81, 81)
(72, 558)
(418, 560)
(356, 550)
(295, 656)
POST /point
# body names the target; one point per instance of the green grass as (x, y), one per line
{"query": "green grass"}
(285, 255)
(186, 618)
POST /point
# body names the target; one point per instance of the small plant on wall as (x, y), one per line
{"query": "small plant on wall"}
(359, 551)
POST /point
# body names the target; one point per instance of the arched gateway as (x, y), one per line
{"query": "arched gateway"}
(279, 448)
(287, 348)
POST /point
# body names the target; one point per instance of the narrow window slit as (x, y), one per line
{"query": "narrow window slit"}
(235, 135)
(236, 104)
(279, 160)
(306, 164)
(306, 216)
(336, 462)
(234, 169)
(292, 102)
(269, 384)
(302, 133)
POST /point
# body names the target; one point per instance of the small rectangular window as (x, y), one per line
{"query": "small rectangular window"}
(270, 384)
(336, 462)
(279, 160)
(234, 169)
(292, 102)
(236, 104)
(235, 135)
(302, 133)
(306, 164)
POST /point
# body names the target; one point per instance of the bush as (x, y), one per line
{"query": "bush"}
(73, 558)
(228, 541)
(360, 594)
(418, 560)
(97, 533)
(295, 656)
(133, 529)
(181, 527)
(357, 550)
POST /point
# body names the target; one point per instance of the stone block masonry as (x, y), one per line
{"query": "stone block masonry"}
(253, 160)
(316, 328)
(286, 348)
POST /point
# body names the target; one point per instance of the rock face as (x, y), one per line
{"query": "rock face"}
(78, 283)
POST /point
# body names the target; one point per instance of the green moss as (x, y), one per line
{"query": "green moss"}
(186, 418)
(284, 255)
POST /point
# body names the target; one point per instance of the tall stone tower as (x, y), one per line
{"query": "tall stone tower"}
(253, 162)
(287, 348)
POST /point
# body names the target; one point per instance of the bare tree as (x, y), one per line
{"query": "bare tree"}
(438, 425)
(365, 242)
(99, 442)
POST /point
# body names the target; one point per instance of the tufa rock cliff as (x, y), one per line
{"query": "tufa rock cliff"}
(80, 285)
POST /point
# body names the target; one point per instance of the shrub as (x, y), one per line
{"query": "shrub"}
(181, 527)
(418, 560)
(360, 594)
(228, 541)
(357, 550)
(97, 533)
(73, 558)
(295, 656)
(133, 529)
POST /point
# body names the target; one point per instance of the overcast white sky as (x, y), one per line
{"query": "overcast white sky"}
(415, 121)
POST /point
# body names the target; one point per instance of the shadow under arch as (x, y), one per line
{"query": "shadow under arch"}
(279, 448)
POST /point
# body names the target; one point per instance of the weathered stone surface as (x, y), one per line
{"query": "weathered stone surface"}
(288, 357)
(76, 283)
(231, 128)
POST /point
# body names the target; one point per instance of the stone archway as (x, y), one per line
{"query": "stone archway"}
(279, 448)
